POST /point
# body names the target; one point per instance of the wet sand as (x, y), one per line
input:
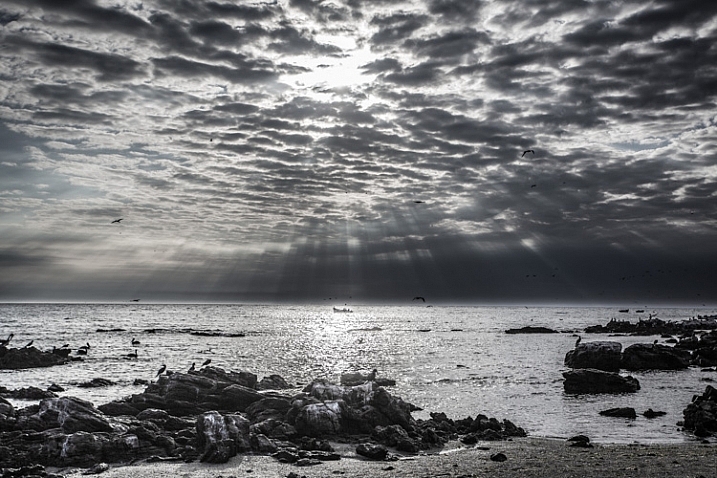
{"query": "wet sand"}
(526, 457)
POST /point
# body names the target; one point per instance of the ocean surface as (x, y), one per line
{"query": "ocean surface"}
(456, 360)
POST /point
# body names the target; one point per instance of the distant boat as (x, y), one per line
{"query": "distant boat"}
(344, 310)
(624, 311)
(640, 311)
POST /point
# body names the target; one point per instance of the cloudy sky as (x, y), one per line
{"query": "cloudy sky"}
(359, 150)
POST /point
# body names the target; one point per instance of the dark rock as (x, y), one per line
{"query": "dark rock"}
(30, 393)
(97, 469)
(307, 462)
(273, 382)
(96, 383)
(499, 457)
(531, 330)
(654, 357)
(701, 414)
(372, 451)
(598, 381)
(221, 437)
(650, 413)
(620, 412)
(30, 357)
(286, 456)
(319, 419)
(262, 444)
(320, 455)
(600, 355)
(580, 441)
(55, 388)
(69, 414)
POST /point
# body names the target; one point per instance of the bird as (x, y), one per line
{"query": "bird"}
(578, 341)
(6, 341)
(527, 151)
(29, 344)
(191, 369)
(206, 362)
(134, 300)
(135, 341)
(117, 220)
(419, 298)
(65, 346)
(533, 185)
(161, 370)
(132, 354)
(418, 202)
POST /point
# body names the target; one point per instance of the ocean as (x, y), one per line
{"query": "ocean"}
(456, 360)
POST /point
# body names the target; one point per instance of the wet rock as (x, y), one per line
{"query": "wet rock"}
(96, 383)
(372, 451)
(318, 419)
(654, 357)
(262, 444)
(598, 381)
(307, 462)
(220, 437)
(273, 382)
(29, 393)
(29, 357)
(599, 355)
(97, 469)
(55, 388)
(700, 416)
(580, 441)
(620, 412)
(69, 414)
(531, 330)
(286, 456)
(499, 457)
(650, 413)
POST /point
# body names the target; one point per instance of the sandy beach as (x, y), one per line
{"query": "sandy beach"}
(526, 457)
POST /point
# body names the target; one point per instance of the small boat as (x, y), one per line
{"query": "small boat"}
(344, 310)
(624, 311)
(640, 311)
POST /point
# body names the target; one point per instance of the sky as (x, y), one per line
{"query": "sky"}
(357, 151)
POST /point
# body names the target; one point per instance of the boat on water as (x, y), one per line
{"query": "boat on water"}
(624, 311)
(344, 310)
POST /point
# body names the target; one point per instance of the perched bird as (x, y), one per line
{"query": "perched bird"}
(527, 151)
(191, 369)
(6, 341)
(65, 346)
(419, 298)
(578, 341)
(29, 344)
(206, 362)
(161, 370)
(117, 220)
(135, 342)
(132, 354)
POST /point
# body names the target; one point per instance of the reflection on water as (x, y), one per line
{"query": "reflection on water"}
(452, 359)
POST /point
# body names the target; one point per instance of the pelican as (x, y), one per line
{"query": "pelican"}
(117, 220)
(578, 341)
(132, 354)
(6, 342)
(191, 369)
(206, 362)
(161, 370)
(135, 342)
(527, 151)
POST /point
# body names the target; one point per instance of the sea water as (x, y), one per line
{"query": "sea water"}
(456, 360)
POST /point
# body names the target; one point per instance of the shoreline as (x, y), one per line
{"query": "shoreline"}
(526, 457)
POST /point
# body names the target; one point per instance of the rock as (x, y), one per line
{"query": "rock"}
(262, 444)
(96, 383)
(600, 355)
(286, 456)
(97, 469)
(273, 382)
(650, 413)
(620, 412)
(319, 419)
(531, 330)
(357, 378)
(307, 462)
(55, 388)
(30, 393)
(701, 414)
(580, 441)
(372, 451)
(598, 381)
(654, 357)
(220, 437)
(69, 414)
(499, 457)
(30, 357)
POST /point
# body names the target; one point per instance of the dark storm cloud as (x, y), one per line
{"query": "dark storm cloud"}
(396, 27)
(454, 43)
(420, 74)
(290, 40)
(455, 10)
(248, 73)
(108, 67)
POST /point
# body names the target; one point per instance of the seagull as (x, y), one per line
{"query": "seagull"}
(117, 220)
(206, 362)
(135, 341)
(161, 370)
(419, 298)
(527, 151)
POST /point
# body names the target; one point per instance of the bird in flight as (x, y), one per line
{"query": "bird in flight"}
(527, 151)
(419, 298)
(117, 220)
(418, 202)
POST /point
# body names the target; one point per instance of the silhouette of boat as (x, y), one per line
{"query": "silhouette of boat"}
(624, 310)
(344, 310)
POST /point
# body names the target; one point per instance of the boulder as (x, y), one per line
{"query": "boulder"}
(273, 382)
(69, 414)
(319, 419)
(220, 437)
(598, 381)
(620, 412)
(531, 330)
(372, 451)
(701, 414)
(654, 357)
(30, 357)
(600, 355)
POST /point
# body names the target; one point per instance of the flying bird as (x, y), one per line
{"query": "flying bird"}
(161, 370)
(533, 185)
(419, 202)
(206, 362)
(117, 220)
(527, 151)
(419, 298)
